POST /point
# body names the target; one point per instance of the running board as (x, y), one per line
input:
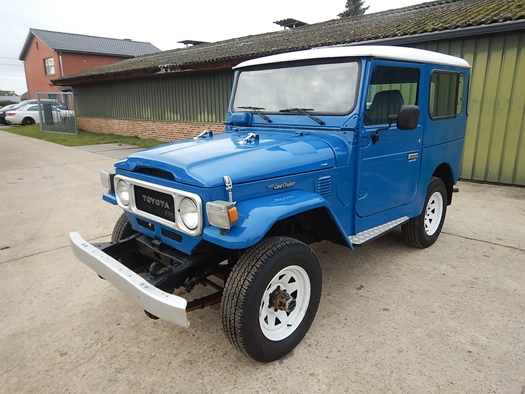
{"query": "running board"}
(368, 235)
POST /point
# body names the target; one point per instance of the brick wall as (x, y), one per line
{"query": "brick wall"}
(36, 78)
(65, 64)
(157, 130)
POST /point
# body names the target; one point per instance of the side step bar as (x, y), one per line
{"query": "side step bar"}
(372, 233)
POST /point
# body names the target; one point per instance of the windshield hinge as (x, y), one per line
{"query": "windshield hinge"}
(250, 138)
(204, 134)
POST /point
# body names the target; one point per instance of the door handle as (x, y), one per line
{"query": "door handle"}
(413, 156)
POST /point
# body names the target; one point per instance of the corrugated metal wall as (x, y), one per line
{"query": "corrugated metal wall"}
(199, 97)
(495, 140)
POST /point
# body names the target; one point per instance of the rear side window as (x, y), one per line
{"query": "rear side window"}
(446, 95)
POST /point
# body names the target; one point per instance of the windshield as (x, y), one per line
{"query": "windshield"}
(316, 88)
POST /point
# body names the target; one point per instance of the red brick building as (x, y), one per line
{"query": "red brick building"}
(50, 55)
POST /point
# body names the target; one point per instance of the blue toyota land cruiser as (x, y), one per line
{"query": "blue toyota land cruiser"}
(340, 144)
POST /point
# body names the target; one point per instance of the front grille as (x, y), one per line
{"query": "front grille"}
(148, 225)
(155, 203)
(171, 235)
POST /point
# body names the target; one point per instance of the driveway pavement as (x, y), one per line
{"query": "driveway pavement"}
(392, 319)
(115, 150)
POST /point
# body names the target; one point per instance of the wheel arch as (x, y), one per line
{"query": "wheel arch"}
(444, 172)
(297, 214)
(310, 226)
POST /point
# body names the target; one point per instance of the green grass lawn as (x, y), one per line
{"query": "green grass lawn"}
(82, 138)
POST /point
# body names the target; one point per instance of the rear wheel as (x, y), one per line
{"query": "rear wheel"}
(271, 298)
(423, 230)
(28, 121)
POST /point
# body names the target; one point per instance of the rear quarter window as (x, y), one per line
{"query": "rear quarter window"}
(446, 94)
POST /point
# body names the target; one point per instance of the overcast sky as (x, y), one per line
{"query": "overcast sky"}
(161, 23)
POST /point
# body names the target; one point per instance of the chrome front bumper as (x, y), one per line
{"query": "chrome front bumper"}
(164, 305)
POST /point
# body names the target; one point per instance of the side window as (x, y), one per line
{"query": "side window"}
(446, 95)
(49, 66)
(461, 95)
(390, 88)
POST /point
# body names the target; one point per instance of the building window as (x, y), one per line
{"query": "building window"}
(49, 66)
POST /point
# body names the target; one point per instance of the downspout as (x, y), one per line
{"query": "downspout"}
(61, 66)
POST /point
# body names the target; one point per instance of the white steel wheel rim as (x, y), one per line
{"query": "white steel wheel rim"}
(278, 325)
(433, 214)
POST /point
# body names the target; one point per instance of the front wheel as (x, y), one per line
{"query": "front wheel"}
(123, 230)
(271, 298)
(423, 230)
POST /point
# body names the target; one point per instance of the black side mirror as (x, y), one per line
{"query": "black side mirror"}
(408, 117)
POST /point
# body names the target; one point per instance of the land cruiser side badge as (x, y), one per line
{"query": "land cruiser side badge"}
(277, 186)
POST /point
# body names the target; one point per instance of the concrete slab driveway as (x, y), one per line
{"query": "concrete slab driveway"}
(448, 319)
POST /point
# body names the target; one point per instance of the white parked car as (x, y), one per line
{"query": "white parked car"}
(28, 115)
(3, 110)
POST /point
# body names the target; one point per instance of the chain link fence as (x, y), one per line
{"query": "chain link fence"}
(57, 112)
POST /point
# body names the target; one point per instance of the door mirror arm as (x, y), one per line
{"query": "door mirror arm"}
(406, 119)
(375, 136)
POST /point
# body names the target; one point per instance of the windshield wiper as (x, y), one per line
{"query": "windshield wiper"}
(304, 111)
(257, 110)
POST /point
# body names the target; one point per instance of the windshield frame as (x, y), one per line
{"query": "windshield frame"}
(295, 64)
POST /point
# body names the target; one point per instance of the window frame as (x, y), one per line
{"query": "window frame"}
(294, 64)
(49, 69)
(400, 67)
(433, 94)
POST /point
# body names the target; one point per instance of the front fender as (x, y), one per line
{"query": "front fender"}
(258, 215)
(109, 197)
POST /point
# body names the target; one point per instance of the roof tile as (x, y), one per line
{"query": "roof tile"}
(430, 17)
(78, 43)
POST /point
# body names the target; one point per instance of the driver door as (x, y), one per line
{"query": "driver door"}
(389, 158)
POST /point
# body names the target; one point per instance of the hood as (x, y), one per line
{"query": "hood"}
(203, 162)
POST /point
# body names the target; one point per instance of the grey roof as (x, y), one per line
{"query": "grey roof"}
(78, 43)
(441, 19)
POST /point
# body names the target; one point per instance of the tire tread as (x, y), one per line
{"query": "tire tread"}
(413, 230)
(122, 229)
(239, 282)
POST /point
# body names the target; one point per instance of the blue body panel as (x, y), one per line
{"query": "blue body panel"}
(256, 217)
(203, 162)
(293, 164)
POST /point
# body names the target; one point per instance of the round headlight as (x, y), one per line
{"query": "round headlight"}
(189, 213)
(123, 192)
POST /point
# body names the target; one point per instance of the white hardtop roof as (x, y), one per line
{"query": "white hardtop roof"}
(377, 51)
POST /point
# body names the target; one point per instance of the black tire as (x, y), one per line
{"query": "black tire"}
(28, 121)
(423, 230)
(124, 230)
(271, 270)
